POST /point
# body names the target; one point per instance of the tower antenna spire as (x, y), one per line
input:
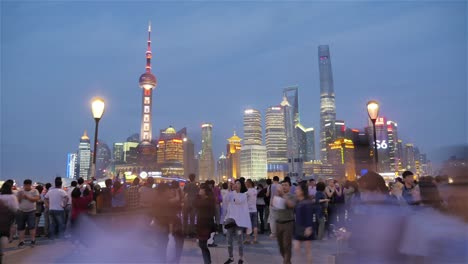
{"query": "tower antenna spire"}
(148, 50)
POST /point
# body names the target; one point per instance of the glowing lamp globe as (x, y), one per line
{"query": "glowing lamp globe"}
(373, 110)
(147, 81)
(97, 107)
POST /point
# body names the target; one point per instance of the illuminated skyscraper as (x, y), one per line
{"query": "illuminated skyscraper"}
(233, 149)
(410, 161)
(103, 159)
(327, 97)
(275, 136)
(190, 162)
(118, 153)
(295, 163)
(147, 150)
(84, 157)
(253, 162)
(222, 168)
(206, 160)
(252, 127)
(392, 132)
(71, 165)
(171, 152)
(341, 155)
(306, 142)
(253, 157)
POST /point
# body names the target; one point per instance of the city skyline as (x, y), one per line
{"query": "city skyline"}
(74, 60)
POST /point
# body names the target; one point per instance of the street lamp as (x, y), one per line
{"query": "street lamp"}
(97, 107)
(373, 111)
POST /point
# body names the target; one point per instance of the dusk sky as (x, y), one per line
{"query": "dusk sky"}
(213, 60)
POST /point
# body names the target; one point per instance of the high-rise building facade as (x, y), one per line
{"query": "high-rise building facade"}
(253, 162)
(392, 132)
(84, 157)
(206, 161)
(222, 168)
(252, 127)
(341, 154)
(103, 159)
(410, 161)
(290, 121)
(275, 136)
(382, 143)
(233, 149)
(306, 142)
(190, 162)
(71, 165)
(118, 153)
(253, 156)
(170, 156)
(327, 97)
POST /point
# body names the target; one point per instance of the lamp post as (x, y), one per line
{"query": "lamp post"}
(97, 107)
(373, 111)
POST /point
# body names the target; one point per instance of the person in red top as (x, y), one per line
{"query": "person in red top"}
(79, 207)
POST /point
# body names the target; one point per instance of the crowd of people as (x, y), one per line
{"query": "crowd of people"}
(384, 222)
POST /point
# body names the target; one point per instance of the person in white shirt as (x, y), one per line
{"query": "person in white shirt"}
(252, 203)
(27, 212)
(238, 210)
(271, 193)
(312, 188)
(57, 199)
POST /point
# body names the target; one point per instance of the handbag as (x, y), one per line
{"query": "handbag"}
(230, 223)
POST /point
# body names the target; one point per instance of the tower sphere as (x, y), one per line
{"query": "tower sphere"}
(147, 81)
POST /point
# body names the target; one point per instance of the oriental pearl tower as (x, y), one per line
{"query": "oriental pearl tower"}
(146, 149)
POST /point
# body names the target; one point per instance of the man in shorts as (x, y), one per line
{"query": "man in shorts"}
(27, 212)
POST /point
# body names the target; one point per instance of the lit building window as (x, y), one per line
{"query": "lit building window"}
(147, 109)
(146, 127)
(146, 136)
(146, 118)
(147, 100)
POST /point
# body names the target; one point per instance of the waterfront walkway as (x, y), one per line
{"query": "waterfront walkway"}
(128, 251)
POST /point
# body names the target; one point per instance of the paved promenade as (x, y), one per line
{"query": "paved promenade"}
(131, 251)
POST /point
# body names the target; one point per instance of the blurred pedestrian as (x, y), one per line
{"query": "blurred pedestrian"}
(261, 193)
(285, 220)
(133, 196)
(190, 193)
(205, 206)
(252, 204)
(303, 226)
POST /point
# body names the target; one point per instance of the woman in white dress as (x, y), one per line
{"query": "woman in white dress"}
(238, 210)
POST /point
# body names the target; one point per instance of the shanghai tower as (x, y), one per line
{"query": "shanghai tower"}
(327, 98)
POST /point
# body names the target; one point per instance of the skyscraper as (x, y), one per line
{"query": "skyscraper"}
(146, 149)
(327, 96)
(190, 163)
(275, 136)
(84, 157)
(392, 132)
(382, 143)
(341, 155)
(252, 127)
(118, 153)
(306, 142)
(71, 165)
(222, 168)
(295, 163)
(410, 161)
(170, 156)
(103, 159)
(233, 149)
(206, 160)
(253, 157)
